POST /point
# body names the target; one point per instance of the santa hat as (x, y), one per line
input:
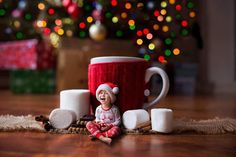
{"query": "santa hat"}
(111, 89)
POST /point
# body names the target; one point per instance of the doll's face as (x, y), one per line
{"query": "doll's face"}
(104, 97)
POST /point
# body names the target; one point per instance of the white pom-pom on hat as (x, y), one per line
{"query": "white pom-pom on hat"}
(115, 90)
(111, 88)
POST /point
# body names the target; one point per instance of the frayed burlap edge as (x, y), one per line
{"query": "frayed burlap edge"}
(19, 123)
(183, 125)
(208, 127)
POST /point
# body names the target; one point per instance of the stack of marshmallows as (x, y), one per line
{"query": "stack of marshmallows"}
(74, 104)
(161, 119)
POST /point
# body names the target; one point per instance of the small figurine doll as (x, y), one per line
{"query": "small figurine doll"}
(106, 124)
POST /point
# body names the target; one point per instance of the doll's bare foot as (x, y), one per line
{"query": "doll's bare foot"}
(107, 140)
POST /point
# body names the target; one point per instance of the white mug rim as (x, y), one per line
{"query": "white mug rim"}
(75, 91)
(161, 110)
(109, 59)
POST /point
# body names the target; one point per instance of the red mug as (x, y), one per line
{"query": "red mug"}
(131, 74)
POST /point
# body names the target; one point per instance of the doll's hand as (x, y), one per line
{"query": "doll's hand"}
(105, 127)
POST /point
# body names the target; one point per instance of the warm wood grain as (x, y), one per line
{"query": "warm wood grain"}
(45, 144)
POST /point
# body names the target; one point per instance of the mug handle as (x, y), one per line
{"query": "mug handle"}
(165, 87)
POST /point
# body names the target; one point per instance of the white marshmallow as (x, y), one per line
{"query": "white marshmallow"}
(61, 119)
(162, 120)
(134, 118)
(76, 100)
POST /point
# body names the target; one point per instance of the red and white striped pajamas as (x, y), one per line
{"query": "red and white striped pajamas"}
(105, 118)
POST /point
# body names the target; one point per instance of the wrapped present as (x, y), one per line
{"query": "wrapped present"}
(46, 58)
(32, 81)
(18, 54)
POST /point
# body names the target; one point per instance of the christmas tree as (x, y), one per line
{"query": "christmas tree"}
(153, 26)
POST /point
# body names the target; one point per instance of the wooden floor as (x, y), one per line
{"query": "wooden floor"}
(187, 145)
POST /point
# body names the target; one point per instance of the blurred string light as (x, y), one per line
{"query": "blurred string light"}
(54, 38)
(115, 19)
(68, 21)
(41, 6)
(17, 24)
(163, 12)
(114, 3)
(168, 18)
(149, 36)
(151, 46)
(190, 5)
(184, 23)
(160, 18)
(178, 7)
(89, 19)
(58, 22)
(172, 1)
(139, 41)
(131, 24)
(165, 28)
(163, 4)
(82, 25)
(22, 4)
(108, 15)
(139, 33)
(167, 52)
(192, 14)
(119, 33)
(128, 5)
(150, 5)
(19, 35)
(176, 51)
(41, 23)
(82, 34)
(51, 11)
(147, 57)
(28, 16)
(162, 59)
(2, 12)
(140, 5)
(46, 31)
(156, 13)
(145, 31)
(69, 33)
(60, 31)
(155, 27)
(124, 15)
(8, 30)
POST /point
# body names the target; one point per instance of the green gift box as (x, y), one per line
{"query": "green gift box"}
(32, 81)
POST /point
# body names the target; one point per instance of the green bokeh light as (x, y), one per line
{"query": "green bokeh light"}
(2, 12)
(82, 34)
(108, 15)
(28, 16)
(119, 33)
(168, 41)
(147, 57)
(132, 27)
(190, 5)
(184, 32)
(19, 35)
(167, 52)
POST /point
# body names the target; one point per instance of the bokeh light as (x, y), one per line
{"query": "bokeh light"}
(176, 51)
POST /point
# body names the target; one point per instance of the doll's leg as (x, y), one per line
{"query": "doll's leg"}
(93, 129)
(113, 132)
